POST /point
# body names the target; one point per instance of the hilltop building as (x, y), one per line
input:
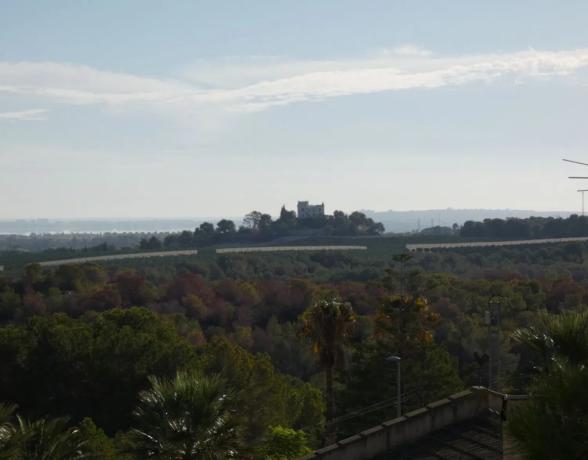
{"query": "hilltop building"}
(309, 211)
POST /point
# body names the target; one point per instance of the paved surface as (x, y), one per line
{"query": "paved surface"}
(482, 244)
(479, 439)
(138, 255)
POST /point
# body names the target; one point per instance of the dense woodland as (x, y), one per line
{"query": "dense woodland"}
(284, 352)
(533, 227)
(83, 341)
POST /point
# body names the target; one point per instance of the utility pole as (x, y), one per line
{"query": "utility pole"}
(488, 321)
(493, 320)
(582, 192)
(579, 177)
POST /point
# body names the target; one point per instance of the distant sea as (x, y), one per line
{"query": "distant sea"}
(53, 226)
(394, 221)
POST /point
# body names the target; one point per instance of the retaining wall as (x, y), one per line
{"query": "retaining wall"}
(135, 255)
(410, 427)
(290, 248)
(485, 244)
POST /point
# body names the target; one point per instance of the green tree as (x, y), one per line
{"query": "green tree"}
(185, 418)
(403, 327)
(7, 429)
(10, 303)
(553, 424)
(287, 218)
(98, 444)
(151, 244)
(265, 223)
(225, 227)
(206, 230)
(43, 439)
(327, 324)
(284, 444)
(92, 366)
(402, 259)
(264, 397)
(252, 220)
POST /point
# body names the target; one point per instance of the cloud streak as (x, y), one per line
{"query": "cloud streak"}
(24, 115)
(279, 82)
(428, 74)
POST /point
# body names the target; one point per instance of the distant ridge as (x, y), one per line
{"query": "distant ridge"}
(408, 221)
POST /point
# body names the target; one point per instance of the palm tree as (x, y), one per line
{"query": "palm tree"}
(557, 339)
(43, 439)
(327, 323)
(48, 439)
(7, 448)
(185, 418)
(553, 424)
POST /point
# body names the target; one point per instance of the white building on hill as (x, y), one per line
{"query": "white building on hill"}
(306, 211)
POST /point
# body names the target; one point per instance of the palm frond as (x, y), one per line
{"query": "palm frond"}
(185, 417)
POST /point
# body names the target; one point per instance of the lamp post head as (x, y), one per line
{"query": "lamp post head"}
(393, 358)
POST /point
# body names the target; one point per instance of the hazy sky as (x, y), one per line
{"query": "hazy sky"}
(192, 108)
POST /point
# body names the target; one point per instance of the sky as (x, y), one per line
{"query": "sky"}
(214, 108)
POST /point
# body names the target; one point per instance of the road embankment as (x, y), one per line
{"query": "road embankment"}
(487, 244)
(137, 255)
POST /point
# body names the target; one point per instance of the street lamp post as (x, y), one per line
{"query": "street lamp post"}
(397, 359)
(493, 320)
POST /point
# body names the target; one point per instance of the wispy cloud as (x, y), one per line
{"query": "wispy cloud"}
(24, 115)
(262, 83)
(427, 73)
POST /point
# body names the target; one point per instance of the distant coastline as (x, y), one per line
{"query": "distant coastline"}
(394, 221)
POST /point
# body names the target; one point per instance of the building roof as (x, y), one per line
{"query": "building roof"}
(477, 439)
(465, 425)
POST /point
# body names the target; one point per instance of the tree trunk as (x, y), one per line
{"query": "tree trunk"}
(330, 393)
(331, 431)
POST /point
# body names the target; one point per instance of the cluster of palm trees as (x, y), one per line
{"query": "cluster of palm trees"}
(184, 418)
(187, 417)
